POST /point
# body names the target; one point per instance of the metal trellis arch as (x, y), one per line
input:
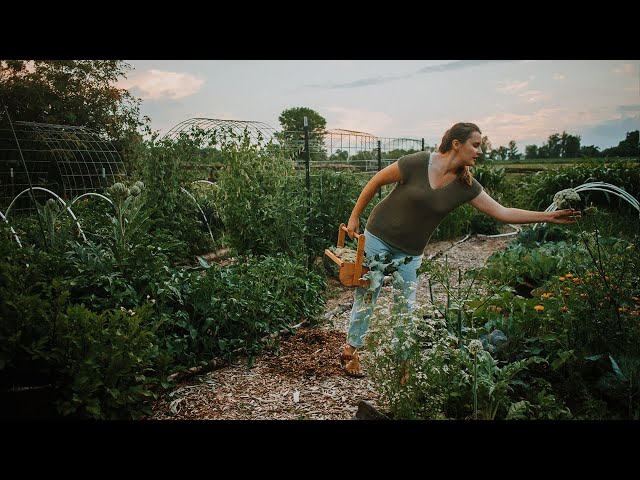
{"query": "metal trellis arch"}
(69, 160)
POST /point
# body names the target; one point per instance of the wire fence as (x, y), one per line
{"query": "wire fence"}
(350, 150)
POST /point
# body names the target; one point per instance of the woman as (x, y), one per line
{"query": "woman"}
(428, 187)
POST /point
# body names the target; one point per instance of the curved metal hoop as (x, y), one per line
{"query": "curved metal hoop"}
(199, 208)
(601, 187)
(59, 199)
(12, 230)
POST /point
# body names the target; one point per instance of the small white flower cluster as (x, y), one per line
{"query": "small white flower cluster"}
(564, 198)
(130, 312)
(475, 347)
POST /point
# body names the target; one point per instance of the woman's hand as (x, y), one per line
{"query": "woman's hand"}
(353, 226)
(567, 216)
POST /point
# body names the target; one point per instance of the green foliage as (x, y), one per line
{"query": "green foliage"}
(228, 310)
(261, 216)
(583, 313)
(173, 204)
(98, 363)
(629, 147)
(523, 268)
(463, 220)
(399, 341)
(536, 191)
(494, 383)
(25, 313)
(106, 362)
(490, 176)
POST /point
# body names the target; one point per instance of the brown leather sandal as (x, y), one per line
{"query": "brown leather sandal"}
(350, 364)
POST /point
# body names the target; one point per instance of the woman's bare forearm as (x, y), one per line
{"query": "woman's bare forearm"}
(519, 216)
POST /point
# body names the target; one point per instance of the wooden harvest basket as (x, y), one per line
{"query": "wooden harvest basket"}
(350, 272)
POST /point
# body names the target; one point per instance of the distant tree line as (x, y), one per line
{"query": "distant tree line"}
(563, 145)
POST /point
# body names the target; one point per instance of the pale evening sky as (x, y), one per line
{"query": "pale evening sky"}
(521, 100)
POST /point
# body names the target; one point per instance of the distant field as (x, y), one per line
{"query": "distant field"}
(515, 167)
(557, 162)
(537, 164)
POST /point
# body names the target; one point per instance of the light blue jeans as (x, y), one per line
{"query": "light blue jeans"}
(363, 309)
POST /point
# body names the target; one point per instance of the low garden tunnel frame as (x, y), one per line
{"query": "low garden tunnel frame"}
(69, 160)
(332, 148)
(255, 130)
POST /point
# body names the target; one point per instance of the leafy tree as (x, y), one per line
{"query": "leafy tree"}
(340, 156)
(292, 134)
(73, 92)
(543, 151)
(531, 151)
(500, 153)
(630, 146)
(554, 146)
(365, 155)
(394, 154)
(485, 146)
(571, 146)
(512, 151)
(590, 152)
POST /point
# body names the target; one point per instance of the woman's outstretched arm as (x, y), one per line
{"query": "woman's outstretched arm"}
(489, 206)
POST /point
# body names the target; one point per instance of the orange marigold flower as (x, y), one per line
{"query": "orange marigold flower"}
(569, 275)
(576, 279)
(635, 312)
(547, 295)
(568, 289)
(562, 279)
(590, 274)
(538, 308)
(622, 309)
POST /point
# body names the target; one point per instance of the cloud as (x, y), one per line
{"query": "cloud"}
(458, 65)
(517, 87)
(161, 84)
(363, 82)
(511, 87)
(629, 110)
(533, 96)
(447, 67)
(367, 121)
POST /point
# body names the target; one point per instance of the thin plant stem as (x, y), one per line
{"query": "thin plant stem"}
(601, 271)
(475, 386)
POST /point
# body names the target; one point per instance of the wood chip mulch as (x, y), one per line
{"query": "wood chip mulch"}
(310, 353)
(302, 380)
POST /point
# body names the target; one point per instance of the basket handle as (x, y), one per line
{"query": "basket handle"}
(341, 237)
(359, 253)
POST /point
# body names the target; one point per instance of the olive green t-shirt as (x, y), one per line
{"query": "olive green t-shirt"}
(408, 216)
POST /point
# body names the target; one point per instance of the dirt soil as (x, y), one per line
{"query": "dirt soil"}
(304, 380)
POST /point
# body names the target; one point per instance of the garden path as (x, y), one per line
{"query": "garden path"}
(307, 362)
